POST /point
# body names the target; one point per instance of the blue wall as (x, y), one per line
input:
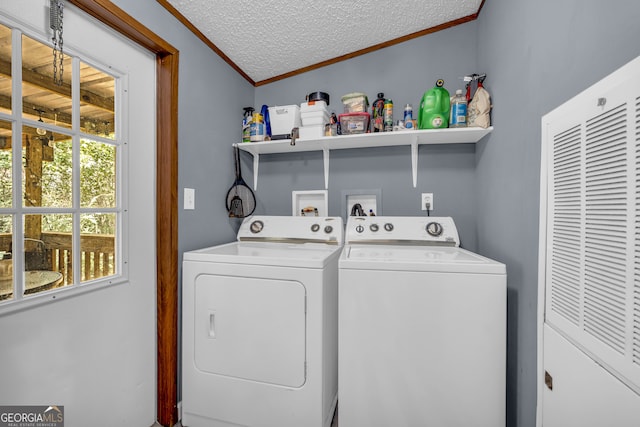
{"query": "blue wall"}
(211, 96)
(536, 55)
(403, 72)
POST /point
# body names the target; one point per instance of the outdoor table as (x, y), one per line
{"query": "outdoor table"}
(34, 280)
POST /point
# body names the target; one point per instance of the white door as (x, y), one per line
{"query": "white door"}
(579, 392)
(589, 301)
(95, 353)
(251, 328)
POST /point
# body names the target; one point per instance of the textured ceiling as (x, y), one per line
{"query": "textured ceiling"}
(270, 38)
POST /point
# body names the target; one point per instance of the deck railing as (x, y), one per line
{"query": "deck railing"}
(97, 257)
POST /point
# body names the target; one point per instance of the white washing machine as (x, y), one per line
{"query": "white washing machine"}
(422, 327)
(260, 328)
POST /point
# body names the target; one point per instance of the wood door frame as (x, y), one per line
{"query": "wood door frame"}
(166, 195)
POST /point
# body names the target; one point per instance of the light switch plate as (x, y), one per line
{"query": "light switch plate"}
(189, 198)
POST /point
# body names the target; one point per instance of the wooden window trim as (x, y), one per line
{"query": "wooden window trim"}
(166, 195)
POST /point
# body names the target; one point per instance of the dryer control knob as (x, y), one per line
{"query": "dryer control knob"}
(328, 229)
(374, 227)
(359, 229)
(256, 226)
(315, 227)
(434, 229)
(388, 226)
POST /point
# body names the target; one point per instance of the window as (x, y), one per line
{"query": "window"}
(61, 172)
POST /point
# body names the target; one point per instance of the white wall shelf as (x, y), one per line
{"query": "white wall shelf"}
(412, 138)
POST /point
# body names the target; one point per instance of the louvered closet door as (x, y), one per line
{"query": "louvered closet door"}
(592, 283)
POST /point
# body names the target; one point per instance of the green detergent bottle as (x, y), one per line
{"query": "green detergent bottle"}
(434, 108)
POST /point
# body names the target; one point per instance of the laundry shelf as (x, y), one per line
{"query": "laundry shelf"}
(412, 138)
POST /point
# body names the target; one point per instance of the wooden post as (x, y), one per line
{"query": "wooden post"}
(33, 185)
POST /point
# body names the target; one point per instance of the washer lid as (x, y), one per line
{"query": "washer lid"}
(307, 255)
(417, 258)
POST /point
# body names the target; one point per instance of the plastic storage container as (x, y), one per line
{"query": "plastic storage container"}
(311, 132)
(355, 102)
(283, 119)
(315, 118)
(314, 113)
(312, 106)
(352, 123)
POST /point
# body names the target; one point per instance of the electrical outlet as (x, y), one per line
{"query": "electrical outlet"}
(427, 201)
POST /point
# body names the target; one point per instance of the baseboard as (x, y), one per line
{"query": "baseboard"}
(156, 424)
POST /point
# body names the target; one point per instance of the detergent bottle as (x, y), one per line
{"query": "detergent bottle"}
(246, 123)
(434, 108)
(377, 113)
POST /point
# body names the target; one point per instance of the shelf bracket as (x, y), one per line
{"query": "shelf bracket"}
(325, 157)
(256, 162)
(414, 161)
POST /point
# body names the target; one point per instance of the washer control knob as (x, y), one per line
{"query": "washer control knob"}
(315, 227)
(328, 229)
(359, 229)
(256, 226)
(374, 227)
(434, 229)
(388, 226)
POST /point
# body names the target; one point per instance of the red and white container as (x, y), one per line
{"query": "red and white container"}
(354, 123)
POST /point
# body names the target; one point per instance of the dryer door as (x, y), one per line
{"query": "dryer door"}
(250, 328)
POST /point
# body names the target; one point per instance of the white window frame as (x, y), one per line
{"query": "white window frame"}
(19, 301)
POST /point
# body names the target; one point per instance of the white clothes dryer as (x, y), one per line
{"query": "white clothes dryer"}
(259, 333)
(422, 327)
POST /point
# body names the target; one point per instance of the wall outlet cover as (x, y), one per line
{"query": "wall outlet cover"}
(426, 202)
